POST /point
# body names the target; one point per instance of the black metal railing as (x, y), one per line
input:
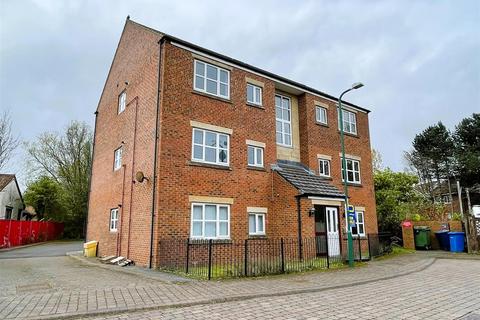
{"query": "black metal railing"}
(209, 259)
(380, 243)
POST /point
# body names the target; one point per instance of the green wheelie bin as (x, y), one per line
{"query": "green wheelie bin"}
(422, 237)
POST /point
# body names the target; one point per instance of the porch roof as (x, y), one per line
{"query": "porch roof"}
(305, 181)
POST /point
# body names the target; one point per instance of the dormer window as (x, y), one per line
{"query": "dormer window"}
(212, 79)
(254, 94)
(349, 122)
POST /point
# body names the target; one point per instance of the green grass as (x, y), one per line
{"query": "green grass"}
(396, 251)
(261, 270)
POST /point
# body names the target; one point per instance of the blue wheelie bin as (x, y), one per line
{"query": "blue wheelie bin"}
(443, 240)
(457, 241)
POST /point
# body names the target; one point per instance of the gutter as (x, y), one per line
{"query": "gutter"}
(214, 54)
(176, 41)
(155, 153)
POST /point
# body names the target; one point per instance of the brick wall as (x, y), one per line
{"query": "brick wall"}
(409, 237)
(136, 62)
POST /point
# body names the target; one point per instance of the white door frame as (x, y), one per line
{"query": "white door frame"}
(333, 234)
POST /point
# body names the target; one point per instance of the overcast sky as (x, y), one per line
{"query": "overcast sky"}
(419, 60)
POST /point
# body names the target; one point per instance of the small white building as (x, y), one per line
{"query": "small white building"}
(11, 201)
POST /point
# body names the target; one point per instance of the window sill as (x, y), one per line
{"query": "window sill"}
(257, 237)
(322, 124)
(352, 184)
(258, 106)
(211, 96)
(209, 165)
(256, 168)
(353, 135)
(284, 146)
(326, 178)
(357, 237)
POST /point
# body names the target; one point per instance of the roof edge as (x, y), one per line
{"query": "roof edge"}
(248, 66)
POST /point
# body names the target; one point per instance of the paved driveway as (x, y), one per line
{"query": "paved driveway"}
(50, 249)
(411, 285)
(449, 289)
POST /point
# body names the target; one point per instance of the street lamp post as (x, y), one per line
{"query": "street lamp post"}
(356, 85)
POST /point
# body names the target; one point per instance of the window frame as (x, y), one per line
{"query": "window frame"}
(357, 225)
(320, 160)
(203, 221)
(351, 115)
(122, 103)
(317, 108)
(283, 122)
(113, 222)
(256, 232)
(217, 148)
(120, 150)
(218, 81)
(353, 170)
(255, 87)
(255, 164)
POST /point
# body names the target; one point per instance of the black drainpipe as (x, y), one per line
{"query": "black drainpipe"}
(150, 260)
(299, 212)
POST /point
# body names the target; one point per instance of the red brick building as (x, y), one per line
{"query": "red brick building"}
(226, 150)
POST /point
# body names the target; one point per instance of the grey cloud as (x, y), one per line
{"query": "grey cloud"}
(419, 60)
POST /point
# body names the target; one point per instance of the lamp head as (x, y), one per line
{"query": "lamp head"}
(357, 85)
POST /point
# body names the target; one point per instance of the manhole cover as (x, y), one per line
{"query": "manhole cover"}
(33, 287)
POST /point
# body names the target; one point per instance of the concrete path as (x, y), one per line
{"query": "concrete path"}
(49, 287)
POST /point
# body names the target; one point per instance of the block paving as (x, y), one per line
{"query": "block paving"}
(410, 286)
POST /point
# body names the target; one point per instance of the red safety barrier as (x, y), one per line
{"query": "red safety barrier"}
(16, 233)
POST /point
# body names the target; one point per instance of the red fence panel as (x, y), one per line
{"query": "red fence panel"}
(15, 233)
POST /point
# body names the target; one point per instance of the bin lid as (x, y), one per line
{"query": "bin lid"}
(422, 228)
(442, 231)
(459, 233)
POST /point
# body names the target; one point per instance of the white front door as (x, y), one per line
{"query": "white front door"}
(332, 232)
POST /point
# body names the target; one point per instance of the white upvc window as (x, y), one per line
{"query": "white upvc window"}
(210, 147)
(254, 94)
(353, 171)
(358, 229)
(283, 115)
(113, 220)
(349, 122)
(324, 167)
(321, 115)
(122, 101)
(256, 224)
(117, 159)
(211, 79)
(255, 156)
(210, 221)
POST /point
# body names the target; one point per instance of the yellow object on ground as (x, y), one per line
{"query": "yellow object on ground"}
(90, 249)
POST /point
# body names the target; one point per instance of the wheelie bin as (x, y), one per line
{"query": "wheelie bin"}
(422, 237)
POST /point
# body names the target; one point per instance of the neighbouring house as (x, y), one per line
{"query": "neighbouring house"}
(11, 201)
(190, 143)
(452, 203)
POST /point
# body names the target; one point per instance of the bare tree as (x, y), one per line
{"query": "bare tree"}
(67, 159)
(8, 141)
